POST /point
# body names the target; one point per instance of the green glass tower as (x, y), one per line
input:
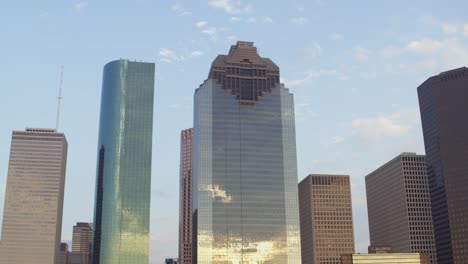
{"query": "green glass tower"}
(123, 180)
(245, 194)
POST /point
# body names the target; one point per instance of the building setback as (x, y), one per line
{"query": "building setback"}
(32, 218)
(245, 169)
(444, 115)
(123, 180)
(399, 206)
(326, 217)
(185, 197)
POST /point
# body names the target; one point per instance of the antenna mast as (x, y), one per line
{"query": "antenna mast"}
(59, 98)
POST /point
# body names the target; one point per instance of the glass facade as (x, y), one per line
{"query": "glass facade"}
(245, 173)
(123, 182)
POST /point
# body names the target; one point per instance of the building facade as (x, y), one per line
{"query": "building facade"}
(399, 206)
(82, 240)
(245, 172)
(443, 106)
(185, 197)
(326, 217)
(123, 180)
(391, 258)
(32, 218)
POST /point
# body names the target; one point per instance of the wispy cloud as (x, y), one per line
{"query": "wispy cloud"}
(361, 54)
(312, 74)
(231, 38)
(298, 20)
(180, 10)
(201, 24)
(196, 53)
(168, 55)
(251, 20)
(267, 20)
(80, 6)
(211, 31)
(335, 36)
(384, 127)
(235, 19)
(230, 7)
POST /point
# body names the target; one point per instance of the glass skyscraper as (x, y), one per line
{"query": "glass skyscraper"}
(123, 182)
(245, 172)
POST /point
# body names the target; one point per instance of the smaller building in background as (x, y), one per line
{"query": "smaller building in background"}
(171, 261)
(326, 218)
(390, 258)
(62, 254)
(82, 243)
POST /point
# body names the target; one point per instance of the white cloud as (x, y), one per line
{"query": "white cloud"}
(267, 20)
(229, 6)
(211, 31)
(309, 75)
(383, 127)
(180, 10)
(235, 19)
(231, 38)
(449, 28)
(335, 36)
(361, 53)
(465, 30)
(81, 5)
(298, 20)
(167, 55)
(196, 53)
(444, 54)
(251, 20)
(201, 24)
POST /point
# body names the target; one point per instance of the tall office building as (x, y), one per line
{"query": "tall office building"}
(399, 206)
(245, 173)
(32, 218)
(123, 180)
(63, 254)
(444, 108)
(82, 240)
(326, 216)
(185, 197)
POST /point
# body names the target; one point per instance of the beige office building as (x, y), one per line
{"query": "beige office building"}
(82, 242)
(32, 218)
(390, 258)
(399, 206)
(185, 197)
(326, 218)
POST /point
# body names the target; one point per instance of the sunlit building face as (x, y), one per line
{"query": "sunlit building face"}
(245, 172)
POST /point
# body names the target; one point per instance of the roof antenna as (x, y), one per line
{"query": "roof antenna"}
(59, 98)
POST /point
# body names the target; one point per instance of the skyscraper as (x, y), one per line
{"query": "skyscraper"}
(444, 108)
(123, 181)
(245, 172)
(32, 218)
(82, 240)
(185, 197)
(399, 206)
(326, 216)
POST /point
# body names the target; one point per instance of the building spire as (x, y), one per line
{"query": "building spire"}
(59, 99)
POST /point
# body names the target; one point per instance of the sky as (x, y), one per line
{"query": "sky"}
(353, 67)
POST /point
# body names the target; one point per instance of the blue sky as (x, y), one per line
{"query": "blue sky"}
(353, 67)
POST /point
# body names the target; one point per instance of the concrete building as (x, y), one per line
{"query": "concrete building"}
(326, 217)
(185, 197)
(82, 242)
(32, 218)
(399, 206)
(63, 254)
(245, 169)
(443, 105)
(390, 258)
(123, 180)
